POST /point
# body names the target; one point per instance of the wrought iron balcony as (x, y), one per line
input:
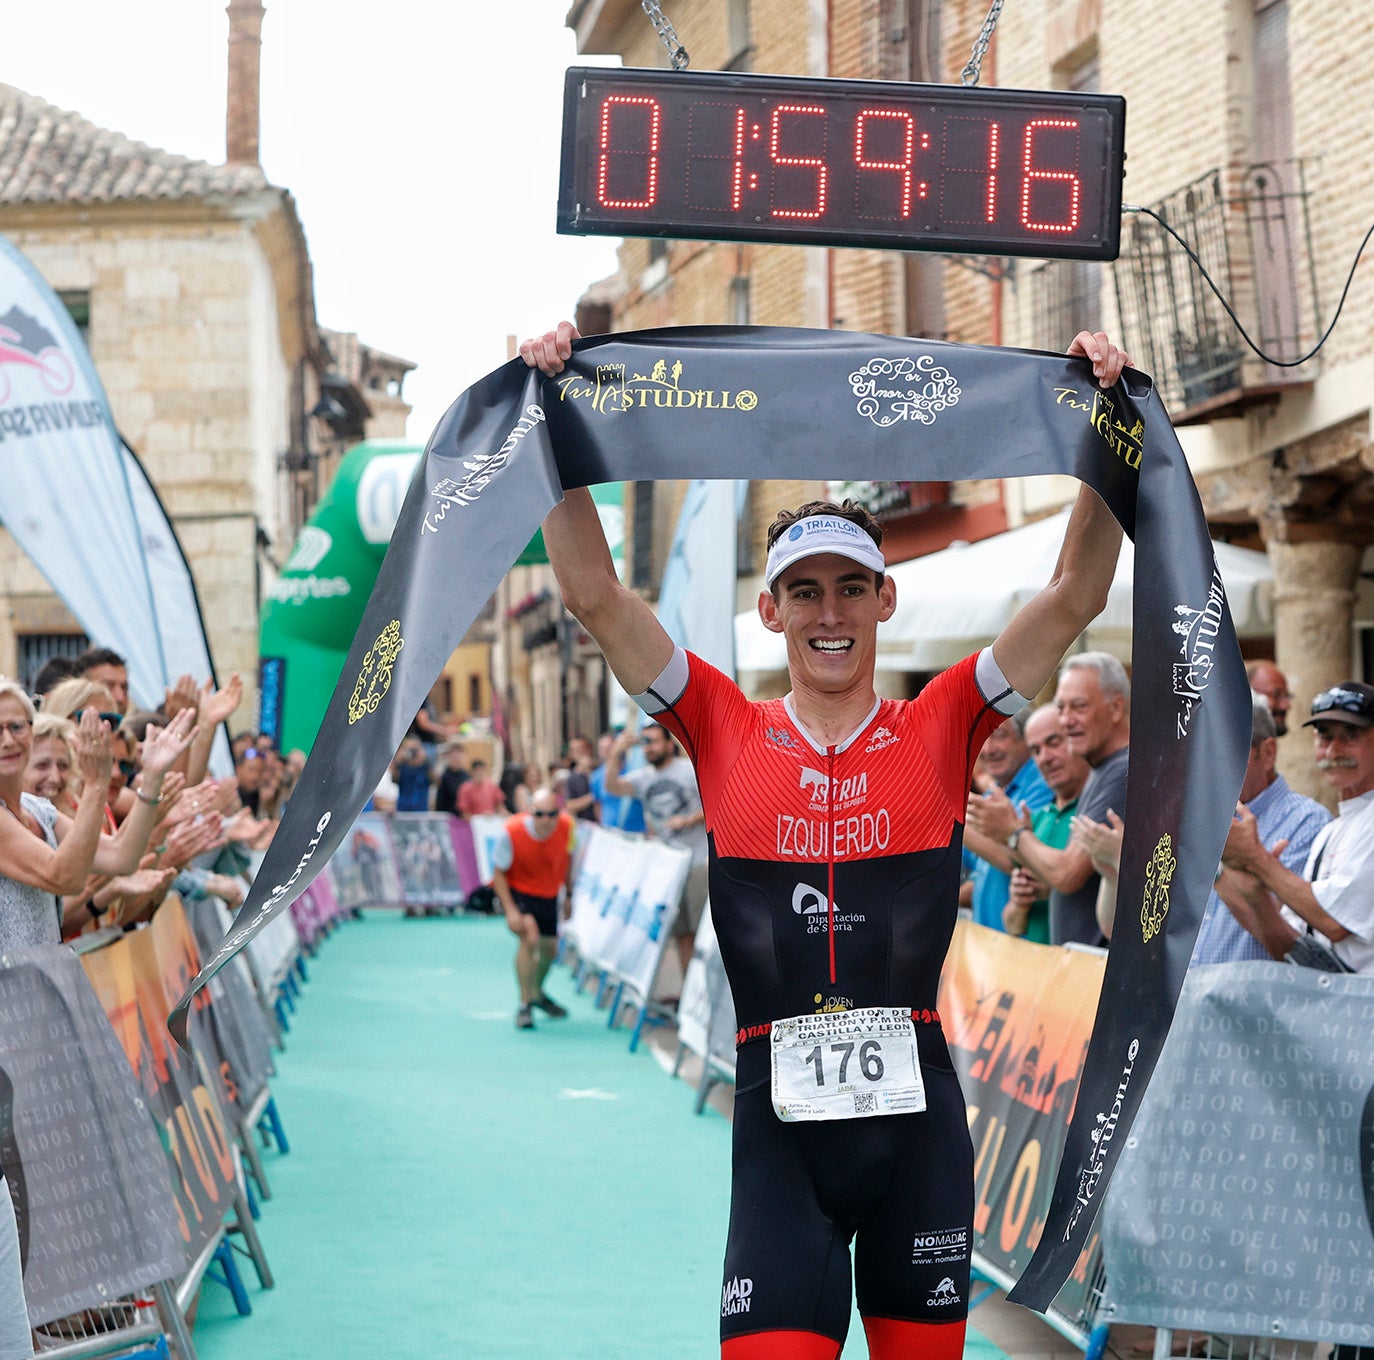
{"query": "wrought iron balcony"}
(1249, 226)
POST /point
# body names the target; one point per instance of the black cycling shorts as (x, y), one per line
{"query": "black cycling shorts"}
(899, 1186)
(543, 909)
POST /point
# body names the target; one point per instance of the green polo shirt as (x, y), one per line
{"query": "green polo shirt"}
(1052, 826)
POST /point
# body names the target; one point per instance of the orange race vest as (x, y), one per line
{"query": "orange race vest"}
(539, 868)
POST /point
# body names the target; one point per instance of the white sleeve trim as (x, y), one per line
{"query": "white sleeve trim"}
(670, 686)
(994, 687)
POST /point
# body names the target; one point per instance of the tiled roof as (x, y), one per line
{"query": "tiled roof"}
(48, 155)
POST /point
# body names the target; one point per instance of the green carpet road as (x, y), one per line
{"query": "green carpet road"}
(458, 1188)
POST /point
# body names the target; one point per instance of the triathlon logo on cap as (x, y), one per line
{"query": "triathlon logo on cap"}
(823, 534)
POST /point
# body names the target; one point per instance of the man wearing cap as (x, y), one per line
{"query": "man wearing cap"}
(834, 821)
(1334, 896)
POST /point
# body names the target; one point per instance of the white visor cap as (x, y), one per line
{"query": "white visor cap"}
(822, 534)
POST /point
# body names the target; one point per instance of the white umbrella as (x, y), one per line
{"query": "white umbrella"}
(958, 599)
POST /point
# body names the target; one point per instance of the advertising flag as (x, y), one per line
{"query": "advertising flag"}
(78, 502)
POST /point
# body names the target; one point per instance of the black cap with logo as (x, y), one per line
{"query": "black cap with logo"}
(1350, 702)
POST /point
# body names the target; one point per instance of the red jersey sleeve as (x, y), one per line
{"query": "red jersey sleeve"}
(707, 713)
(954, 718)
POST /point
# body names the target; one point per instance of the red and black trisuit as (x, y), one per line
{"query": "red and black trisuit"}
(834, 884)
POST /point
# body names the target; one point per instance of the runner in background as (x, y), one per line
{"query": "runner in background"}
(532, 861)
(833, 813)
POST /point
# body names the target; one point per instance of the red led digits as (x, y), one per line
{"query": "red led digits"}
(901, 167)
(813, 162)
(994, 137)
(649, 153)
(1031, 176)
(737, 179)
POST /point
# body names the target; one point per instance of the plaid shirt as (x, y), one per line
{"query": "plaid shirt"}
(1280, 812)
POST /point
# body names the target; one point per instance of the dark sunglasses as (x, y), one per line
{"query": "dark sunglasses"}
(114, 719)
(1340, 700)
(128, 768)
(543, 814)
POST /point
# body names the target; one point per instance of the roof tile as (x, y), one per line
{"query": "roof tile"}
(49, 155)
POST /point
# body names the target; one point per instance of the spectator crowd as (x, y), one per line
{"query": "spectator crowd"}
(1044, 828)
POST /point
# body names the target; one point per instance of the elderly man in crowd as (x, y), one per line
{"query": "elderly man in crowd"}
(1094, 703)
(1326, 913)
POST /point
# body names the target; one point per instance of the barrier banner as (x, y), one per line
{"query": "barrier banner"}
(465, 854)
(83, 1161)
(363, 869)
(1017, 1017)
(128, 979)
(759, 402)
(486, 830)
(425, 860)
(653, 894)
(1244, 1203)
(706, 1012)
(592, 920)
(238, 1038)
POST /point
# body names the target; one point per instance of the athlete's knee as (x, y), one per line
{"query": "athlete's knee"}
(893, 1339)
(780, 1346)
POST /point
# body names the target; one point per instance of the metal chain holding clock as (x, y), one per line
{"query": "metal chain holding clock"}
(677, 54)
(969, 75)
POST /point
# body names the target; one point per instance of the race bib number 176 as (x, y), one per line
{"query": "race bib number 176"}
(846, 1065)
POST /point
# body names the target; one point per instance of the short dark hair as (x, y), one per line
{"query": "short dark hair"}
(51, 672)
(97, 656)
(137, 724)
(850, 510)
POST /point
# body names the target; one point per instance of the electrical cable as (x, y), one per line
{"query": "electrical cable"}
(1244, 334)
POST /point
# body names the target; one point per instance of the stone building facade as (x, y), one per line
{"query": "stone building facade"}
(192, 284)
(1247, 128)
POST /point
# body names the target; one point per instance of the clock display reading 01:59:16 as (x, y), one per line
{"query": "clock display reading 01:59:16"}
(723, 156)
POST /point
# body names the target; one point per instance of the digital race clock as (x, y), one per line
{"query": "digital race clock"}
(723, 156)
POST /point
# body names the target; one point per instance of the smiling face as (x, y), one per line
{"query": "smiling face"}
(1063, 771)
(50, 768)
(1345, 756)
(1090, 718)
(16, 737)
(1004, 752)
(828, 608)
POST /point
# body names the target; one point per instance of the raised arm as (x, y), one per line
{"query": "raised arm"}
(632, 640)
(1031, 646)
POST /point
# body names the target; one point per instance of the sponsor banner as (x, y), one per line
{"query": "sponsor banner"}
(1244, 1202)
(761, 402)
(83, 1161)
(425, 860)
(1017, 1017)
(128, 978)
(597, 913)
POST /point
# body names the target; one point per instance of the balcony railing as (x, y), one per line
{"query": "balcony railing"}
(1250, 229)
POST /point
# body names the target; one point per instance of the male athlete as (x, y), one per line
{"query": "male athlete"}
(835, 821)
